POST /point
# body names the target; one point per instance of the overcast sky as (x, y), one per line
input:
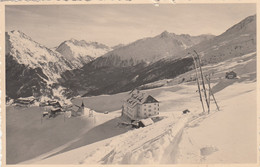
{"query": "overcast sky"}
(115, 24)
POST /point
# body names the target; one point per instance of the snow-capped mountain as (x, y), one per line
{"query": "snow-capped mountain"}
(32, 68)
(26, 51)
(114, 73)
(238, 40)
(150, 49)
(81, 52)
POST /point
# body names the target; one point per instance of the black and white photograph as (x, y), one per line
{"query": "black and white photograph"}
(113, 84)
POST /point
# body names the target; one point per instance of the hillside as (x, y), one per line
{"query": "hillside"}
(77, 67)
(149, 50)
(32, 68)
(238, 40)
(174, 139)
(81, 52)
(113, 75)
(26, 51)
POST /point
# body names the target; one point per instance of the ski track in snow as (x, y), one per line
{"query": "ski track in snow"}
(229, 133)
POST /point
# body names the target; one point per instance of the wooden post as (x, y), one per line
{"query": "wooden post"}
(202, 78)
(41, 117)
(198, 83)
(210, 90)
(208, 79)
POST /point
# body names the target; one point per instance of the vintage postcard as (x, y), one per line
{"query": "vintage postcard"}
(129, 82)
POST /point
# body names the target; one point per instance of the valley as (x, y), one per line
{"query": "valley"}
(107, 143)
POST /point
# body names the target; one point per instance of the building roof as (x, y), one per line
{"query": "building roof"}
(230, 72)
(147, 121)
(140, 98)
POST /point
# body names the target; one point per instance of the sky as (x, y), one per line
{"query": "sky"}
(113, 24)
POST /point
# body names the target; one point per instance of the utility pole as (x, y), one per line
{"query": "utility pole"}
(202, 78)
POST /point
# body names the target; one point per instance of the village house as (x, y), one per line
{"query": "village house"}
(140, 106)
(81, 110)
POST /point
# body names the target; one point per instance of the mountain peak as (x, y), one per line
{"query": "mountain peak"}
(83, 43)
(246, 25)
(81, 52)
(16, 32)
(19, 33)
(164, 34)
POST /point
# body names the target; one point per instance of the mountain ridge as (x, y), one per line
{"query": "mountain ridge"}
(80, 52)
(149, 50)
(117, 70)
(214, 50)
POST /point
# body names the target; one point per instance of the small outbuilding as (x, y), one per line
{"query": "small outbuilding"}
(24, 101)
(231, 75)
(142, 123)
(145, 122)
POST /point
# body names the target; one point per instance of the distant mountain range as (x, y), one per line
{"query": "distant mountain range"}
(30, 64)
(91, 68)
(149, 50)
(114, 73)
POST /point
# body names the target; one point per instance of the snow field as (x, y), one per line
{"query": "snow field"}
(229, 135)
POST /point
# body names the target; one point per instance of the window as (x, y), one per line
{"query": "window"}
(149, 110)
(154, 103)
(149, 106)
(158, 104)
(149, 115)
(158, 109)
(145, 109)
(154, 108)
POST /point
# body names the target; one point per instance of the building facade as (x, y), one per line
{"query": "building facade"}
(140, 106)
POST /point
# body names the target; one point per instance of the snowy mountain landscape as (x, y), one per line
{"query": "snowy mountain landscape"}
(149, 50)
(234, 42)
(171, 140)
(165, 99)
(44, 65)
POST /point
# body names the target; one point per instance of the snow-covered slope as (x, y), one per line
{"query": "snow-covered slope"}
(236, 41)
(228, 136)
(26, 51)
(32, 67)
(206, 138)
(81, 52)
(178, 138)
